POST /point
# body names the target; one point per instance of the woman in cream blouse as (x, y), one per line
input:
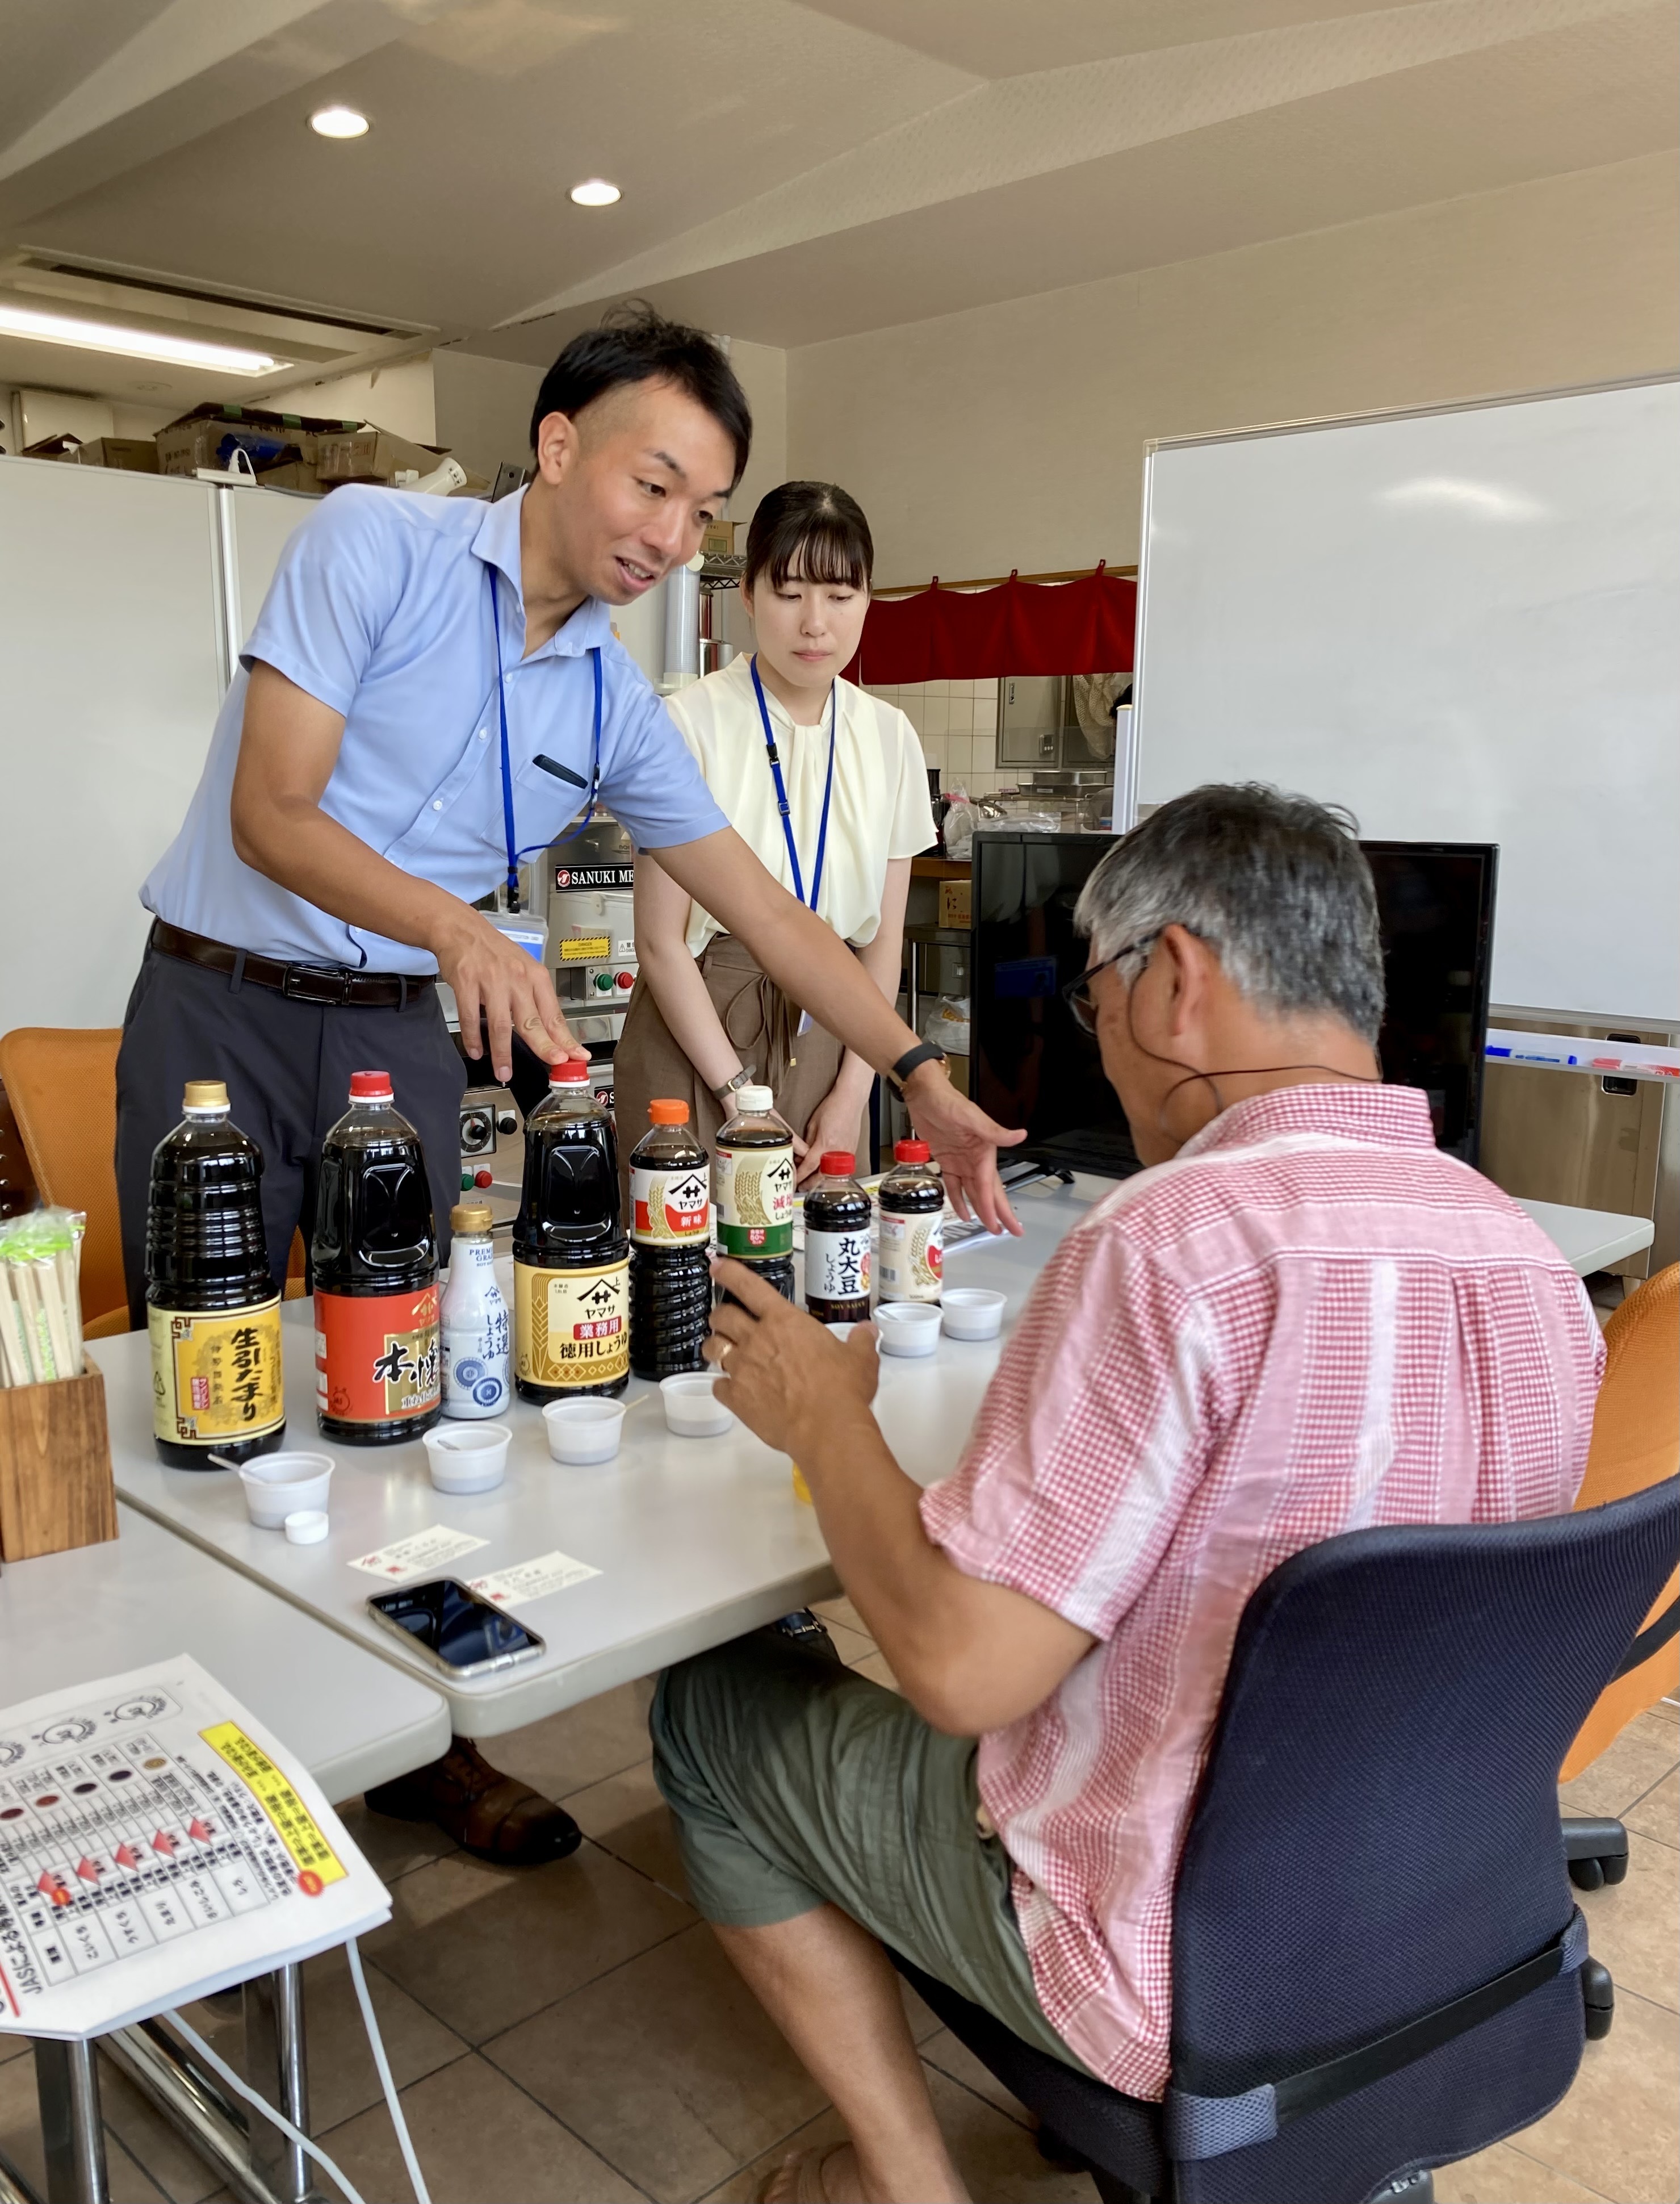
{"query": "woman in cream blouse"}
(704, 1013)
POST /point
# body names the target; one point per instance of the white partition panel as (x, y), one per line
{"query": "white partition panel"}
(110, 684)
(1462, 624)
(259, 523)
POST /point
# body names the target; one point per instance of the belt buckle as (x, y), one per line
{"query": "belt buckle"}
(325, 977)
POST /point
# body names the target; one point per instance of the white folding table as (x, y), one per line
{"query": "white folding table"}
(353, 1721)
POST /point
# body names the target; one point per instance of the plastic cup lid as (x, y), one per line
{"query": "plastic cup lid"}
(838, 1163)
(306, 1528)
(370, 1086)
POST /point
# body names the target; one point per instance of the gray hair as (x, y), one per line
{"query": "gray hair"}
(1275, 884)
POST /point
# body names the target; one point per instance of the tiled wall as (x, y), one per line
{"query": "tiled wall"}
(957, 721)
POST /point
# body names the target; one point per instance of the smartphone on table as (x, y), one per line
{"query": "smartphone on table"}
(450, 1626)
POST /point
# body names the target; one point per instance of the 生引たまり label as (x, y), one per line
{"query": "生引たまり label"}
(571, 1327)
(216, 1377)
(671, 1208)
(377, 1356)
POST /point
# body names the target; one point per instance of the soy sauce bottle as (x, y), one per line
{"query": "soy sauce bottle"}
(378, 1356)
(753, 1189)
(837, 1244)
(571, 1263)
(671, 1246)
(212, 1310)
(910, 1258)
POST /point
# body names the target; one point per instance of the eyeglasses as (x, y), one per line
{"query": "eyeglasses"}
(1076, 992)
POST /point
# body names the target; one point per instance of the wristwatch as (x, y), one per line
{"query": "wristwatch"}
(927, 1051)
(745, 1077)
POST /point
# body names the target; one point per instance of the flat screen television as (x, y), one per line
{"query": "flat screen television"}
(1032, 1065)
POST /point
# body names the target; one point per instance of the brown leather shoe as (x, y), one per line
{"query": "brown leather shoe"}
(492, 1815)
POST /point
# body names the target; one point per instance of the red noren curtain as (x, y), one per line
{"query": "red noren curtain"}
(1019, 628)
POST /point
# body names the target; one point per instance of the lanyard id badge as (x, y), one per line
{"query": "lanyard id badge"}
(509, 835)
(783, 806)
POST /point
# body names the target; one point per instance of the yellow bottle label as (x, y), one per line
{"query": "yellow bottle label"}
(215, 1375)
(571, 1327)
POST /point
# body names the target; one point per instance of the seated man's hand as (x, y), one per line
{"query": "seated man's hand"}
(778, 1368)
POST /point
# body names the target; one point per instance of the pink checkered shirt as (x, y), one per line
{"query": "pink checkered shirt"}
(1309, 1320)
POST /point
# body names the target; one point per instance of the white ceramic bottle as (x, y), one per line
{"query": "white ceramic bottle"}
(478, 1334)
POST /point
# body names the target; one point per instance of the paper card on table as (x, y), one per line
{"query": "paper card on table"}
(529, 1580)
(157, 1843)
(426, 1550)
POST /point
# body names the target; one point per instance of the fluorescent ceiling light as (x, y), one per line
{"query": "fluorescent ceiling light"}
(134, 344)
(338, 122)
(594, 191)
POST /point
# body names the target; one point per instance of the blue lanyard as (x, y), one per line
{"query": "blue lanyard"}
(509, 839)
(781, 804)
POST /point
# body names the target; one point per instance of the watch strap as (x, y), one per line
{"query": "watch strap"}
(927, 1051)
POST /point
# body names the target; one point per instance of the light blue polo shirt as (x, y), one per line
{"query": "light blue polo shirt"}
(381, 608)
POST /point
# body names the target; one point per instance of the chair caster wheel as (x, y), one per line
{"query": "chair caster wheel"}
(1598, 1999)
(1589, 1874)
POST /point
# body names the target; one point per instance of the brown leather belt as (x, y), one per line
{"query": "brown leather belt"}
(334, 986)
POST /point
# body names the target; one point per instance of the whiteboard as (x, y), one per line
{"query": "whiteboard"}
(1462, 624)
(110, 683)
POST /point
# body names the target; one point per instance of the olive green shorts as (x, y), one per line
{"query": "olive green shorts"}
(794, 1781)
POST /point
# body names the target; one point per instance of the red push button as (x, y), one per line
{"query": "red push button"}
(483, 1178)
(626, 978)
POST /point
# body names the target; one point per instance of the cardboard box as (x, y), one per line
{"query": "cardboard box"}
(719, 540)
(955, 905)
(203, 438)
(369, 454)
(136, 455)
(297, 475)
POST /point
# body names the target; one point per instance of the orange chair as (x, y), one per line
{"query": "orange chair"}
(62, 1082)
(1635, 1442)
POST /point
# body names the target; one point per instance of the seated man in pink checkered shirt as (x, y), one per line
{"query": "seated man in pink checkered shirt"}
(1301, 1319)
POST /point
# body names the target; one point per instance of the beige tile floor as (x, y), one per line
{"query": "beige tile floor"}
(572, 2035)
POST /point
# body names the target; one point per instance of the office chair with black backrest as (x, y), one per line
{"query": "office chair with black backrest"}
(1377, 1963)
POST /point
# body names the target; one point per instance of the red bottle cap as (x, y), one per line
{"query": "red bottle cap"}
(911, 1151)
(370, 1086)
(838, 1163)
(570, 1074)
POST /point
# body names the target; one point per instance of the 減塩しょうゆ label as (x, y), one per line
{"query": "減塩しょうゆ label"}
(571, 1327)
(216, 1377)
(753, 1189)
(911, 1256)
(671, 1208)
(836, 1266)
(377, 1357)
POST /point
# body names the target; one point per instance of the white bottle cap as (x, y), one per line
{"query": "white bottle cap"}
(755, 1101)
(307, 1528)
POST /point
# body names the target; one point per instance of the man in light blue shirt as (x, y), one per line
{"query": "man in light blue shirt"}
(432, 690)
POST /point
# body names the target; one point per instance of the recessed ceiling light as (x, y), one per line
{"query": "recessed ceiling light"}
(594, 191)
(338, 122)
(134, 344)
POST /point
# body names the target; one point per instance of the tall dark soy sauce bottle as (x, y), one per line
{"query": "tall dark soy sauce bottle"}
(753, 1189)
(910, 1263)
(378, 1356)
(837, 1244)
(212, 1309)
(671, 1246)
(571, 1263)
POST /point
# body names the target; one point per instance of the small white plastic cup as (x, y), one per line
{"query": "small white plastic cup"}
(583, 1431)
(308, 1527)
(973, 1313)
(907, 1327)
(277, 1485)
(467, 1457)
(691, 1408)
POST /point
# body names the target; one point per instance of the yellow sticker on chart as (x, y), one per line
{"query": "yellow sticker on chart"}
(316, 1862)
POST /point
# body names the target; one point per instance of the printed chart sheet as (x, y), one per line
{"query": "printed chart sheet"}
(157, 1843)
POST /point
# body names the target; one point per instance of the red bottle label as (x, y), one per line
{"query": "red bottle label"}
(376, 1357)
